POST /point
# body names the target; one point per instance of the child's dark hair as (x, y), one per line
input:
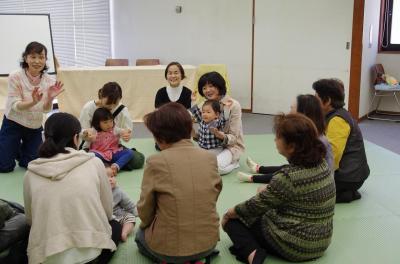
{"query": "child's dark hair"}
(59, 132)
(182, 71)
(310, 106)
(330, 89)
(216, 107)
(213, 78)
(299, 132)
(112, 91)
(31, 48)
(101, 114)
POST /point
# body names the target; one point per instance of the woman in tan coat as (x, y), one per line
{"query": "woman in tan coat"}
(68, 200)
(212, 86)
(180, 188)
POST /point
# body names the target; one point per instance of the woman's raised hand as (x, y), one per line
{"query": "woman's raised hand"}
(36, 95)
(55, 90)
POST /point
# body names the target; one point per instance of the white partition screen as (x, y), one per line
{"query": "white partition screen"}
(16, 31)
(295, 44)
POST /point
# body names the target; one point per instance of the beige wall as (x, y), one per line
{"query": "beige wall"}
(207, 31)
(297, 43)
(210, 31)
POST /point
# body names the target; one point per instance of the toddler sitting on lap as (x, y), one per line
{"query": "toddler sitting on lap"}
(210, 120)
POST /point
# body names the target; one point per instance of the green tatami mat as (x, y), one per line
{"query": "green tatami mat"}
(365, 231)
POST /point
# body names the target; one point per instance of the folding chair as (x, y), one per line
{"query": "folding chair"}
(382, 89)
(147, 62)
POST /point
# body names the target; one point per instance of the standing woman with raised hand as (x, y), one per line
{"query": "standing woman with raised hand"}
(212, 86)
(30, 94)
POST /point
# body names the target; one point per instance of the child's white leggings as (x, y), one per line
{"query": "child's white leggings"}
(225, 164)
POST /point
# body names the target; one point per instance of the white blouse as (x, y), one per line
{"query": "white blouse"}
(174, 93)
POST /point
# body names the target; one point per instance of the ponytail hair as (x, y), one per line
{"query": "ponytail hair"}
(59, 132)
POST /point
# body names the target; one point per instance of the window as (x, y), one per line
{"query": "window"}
(390, 25)
(80, 28)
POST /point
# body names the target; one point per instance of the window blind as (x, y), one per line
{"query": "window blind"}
(80, 28)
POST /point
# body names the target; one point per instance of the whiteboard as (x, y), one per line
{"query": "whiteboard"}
(17, 31)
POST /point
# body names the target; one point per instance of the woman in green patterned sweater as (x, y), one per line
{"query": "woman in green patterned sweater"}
(292, 216)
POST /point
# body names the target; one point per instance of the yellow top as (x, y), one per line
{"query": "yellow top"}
(337, 132)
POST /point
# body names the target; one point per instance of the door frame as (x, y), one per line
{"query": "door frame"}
(356, 58)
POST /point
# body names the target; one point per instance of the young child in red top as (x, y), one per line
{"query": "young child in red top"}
(105, 143)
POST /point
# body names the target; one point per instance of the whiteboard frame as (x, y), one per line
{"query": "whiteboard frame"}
(50, 71)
